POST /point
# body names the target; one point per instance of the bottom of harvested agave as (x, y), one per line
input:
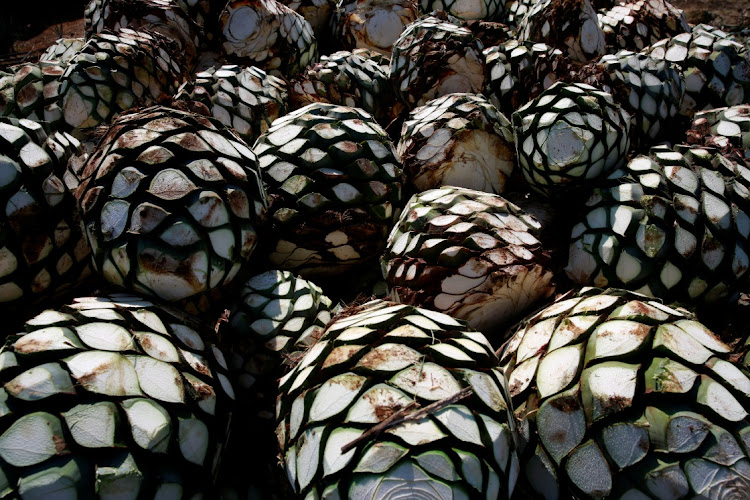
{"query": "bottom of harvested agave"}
(469, 9)
(383, 28)
(502, 296)
(242, 23)
(565, 145)
(462, 73)
(591, 37)
(408, 480)
(462, 78)
(474, 160)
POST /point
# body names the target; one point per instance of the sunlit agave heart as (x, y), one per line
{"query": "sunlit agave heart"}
(170, 202)
(627, 396)
(397, 401)
(114, 395)
(457, 140)
(418, 78)
(336, 187)
(570, 136)
(673, 225)
(469, 254)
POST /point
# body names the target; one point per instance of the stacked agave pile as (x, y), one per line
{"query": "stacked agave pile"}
(199, 197)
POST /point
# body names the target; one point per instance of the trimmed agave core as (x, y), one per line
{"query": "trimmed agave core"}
(245, 99)
(627, 397)
(569, 136)
(372, 24)
(418, 78)
(115, 72)
(277, 313)
(112, 396)
(381, 361)
(42, 249)
(637, 24)
(170, 202)
(457, 140)
(673, 225)
(269, 35)
(336, 188)
(715, 65)
(569, 25)
(357, 79)
(469, 254)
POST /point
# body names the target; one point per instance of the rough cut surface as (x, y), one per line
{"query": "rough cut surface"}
(372, 24)
(457, 140)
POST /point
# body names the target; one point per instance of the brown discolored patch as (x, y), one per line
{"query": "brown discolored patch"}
(383, 412)
(238, 202)
(557, 437)
(614, 404)
(339, 355)
(515, 387)
(32, 346)
(190, 141)
(375, 358)
(682, 207)
(59, 443)
(93, 374)
(33, 245)
(350, 382)
(28, 94)
(146, 343)
(156, 155)
(711, 244)
(566, 404)
(638, 308)
(202, 368)
(347, 146)
(204, 390)
(162, 265)
(639, 330)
